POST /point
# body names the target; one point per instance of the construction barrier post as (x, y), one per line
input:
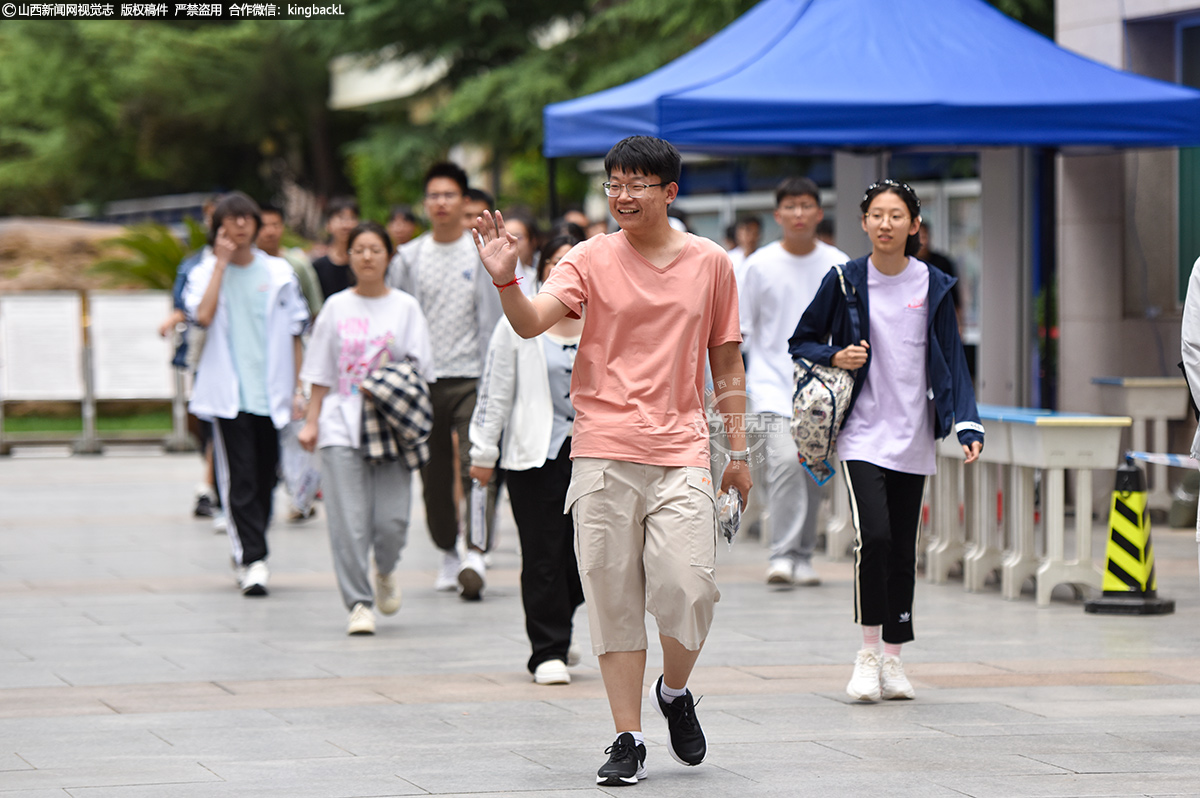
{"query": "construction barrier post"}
(1129, 582)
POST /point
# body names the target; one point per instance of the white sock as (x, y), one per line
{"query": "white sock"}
(669, 694)
(891, 650)
(638, 739)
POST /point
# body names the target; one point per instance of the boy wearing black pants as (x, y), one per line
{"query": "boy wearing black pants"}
(246, 380)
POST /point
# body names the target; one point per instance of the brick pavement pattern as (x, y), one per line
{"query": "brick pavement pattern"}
(130, 666)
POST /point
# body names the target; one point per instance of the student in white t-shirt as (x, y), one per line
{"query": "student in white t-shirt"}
(911, 387)
(367, 504)
(779, 281)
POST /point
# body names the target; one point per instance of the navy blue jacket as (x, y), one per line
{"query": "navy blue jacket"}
(827, 320)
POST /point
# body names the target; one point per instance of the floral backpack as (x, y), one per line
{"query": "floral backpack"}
(819, 402)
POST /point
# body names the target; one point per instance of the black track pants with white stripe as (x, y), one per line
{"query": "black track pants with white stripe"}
(885, 508)
(246, 459)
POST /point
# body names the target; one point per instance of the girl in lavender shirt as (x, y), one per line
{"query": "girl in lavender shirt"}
(911, 387)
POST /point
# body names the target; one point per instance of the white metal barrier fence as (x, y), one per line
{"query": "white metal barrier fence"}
(87, 347)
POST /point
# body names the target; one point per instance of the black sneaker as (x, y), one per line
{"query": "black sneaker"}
(204, 507)
(687, 744)
(626, 762)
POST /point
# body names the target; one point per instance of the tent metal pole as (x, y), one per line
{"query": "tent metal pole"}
(1046, 238)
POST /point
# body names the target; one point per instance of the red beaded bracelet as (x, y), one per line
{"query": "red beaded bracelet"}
(514, 281)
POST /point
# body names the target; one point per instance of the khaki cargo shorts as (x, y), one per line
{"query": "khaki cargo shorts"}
(646, 540)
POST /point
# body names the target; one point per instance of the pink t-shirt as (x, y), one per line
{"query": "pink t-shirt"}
(638, 384)
(891, 424)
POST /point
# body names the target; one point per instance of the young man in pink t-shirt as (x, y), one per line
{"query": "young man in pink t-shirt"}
(641, 494)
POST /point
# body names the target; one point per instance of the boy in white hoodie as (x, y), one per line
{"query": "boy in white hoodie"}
(246, 380)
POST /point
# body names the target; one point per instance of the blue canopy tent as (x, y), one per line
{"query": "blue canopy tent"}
(795, 75)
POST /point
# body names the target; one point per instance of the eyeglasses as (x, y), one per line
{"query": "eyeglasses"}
(448, 196)
(635, 190)
(905, 187)
(897, 218)
(358, 252)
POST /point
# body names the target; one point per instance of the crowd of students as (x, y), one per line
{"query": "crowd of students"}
(574, 368)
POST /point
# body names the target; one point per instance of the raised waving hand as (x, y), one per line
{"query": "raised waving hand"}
(497, 247)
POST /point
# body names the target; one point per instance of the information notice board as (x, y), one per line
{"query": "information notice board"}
(41, 346)
(129, 358)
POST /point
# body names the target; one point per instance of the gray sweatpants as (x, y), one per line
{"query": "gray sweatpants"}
(793, 498)
(366, 506)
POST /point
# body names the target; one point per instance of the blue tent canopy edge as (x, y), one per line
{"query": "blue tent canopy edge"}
(801, 75)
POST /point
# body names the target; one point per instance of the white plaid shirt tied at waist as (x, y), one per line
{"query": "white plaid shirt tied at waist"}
(397, 415)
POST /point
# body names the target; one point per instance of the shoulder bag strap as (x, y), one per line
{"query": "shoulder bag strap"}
(851, 307)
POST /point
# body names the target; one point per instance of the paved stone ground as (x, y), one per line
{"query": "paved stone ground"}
(131, 666)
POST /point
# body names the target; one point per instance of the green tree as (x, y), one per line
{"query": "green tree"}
(504, 72)
(102, 110)
(105, 110)
(474, 35)
(1037, 14)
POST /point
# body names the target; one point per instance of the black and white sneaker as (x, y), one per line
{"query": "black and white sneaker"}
(205, 506)
(254, 579)
(687, 744)
(626, 762)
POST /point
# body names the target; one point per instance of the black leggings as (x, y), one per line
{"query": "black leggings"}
(885, 507)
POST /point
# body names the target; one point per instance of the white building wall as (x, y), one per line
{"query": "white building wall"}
(1118, 234)
(1119, 313)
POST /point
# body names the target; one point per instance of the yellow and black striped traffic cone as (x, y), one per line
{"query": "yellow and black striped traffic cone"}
(1129, 584)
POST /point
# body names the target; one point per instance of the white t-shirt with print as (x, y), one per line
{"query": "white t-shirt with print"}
(353, 336)
(775, 289)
